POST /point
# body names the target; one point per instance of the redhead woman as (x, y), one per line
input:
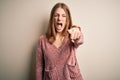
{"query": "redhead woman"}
(56, 51)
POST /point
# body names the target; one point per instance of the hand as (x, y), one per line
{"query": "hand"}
(74, 33)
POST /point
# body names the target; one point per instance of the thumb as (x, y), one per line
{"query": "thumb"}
(70, 31)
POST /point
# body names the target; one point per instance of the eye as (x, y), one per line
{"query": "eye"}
(55, 15)
(63, 15)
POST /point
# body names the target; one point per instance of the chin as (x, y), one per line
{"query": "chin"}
(59, 31)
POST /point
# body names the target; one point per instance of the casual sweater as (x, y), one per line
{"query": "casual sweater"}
(60, 63)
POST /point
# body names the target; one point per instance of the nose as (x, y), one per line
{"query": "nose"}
(59, 17)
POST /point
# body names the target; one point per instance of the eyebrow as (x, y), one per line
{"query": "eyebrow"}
(62, 14)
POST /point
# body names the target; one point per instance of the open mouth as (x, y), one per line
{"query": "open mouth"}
(59, 24)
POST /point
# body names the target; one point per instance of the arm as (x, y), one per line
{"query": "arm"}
(39, 62)
(79, 41)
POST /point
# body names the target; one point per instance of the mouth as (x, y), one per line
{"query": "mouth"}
(59, 24)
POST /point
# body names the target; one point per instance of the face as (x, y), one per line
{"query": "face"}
(59, 20)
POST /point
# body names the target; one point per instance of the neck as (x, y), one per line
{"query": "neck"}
(59, 36)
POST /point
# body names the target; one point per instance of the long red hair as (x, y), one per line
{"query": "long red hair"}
(51, 33)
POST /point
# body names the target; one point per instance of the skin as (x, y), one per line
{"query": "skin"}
(60, 17)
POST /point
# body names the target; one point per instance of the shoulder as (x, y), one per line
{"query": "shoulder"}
(42, 37)
(41, 40)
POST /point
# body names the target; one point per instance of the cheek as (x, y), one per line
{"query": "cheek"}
(65, 21)
(55, 20)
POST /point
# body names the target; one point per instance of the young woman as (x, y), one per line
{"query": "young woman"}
(56, 51)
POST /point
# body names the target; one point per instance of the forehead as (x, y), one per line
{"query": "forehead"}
(60, 10)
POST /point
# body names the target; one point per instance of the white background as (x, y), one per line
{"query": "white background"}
(23, 21)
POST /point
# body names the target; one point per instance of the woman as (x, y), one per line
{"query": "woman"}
(55, 58)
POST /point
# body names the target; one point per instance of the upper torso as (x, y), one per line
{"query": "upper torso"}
(56, 59)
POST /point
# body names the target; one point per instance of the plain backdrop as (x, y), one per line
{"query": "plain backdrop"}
(23, 21)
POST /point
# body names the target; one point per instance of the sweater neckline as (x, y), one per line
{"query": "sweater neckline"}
(61, 46)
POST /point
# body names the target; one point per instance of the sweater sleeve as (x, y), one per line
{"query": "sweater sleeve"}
(39, 62)
(79, 41)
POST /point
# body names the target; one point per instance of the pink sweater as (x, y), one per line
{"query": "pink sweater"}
(54, 63)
